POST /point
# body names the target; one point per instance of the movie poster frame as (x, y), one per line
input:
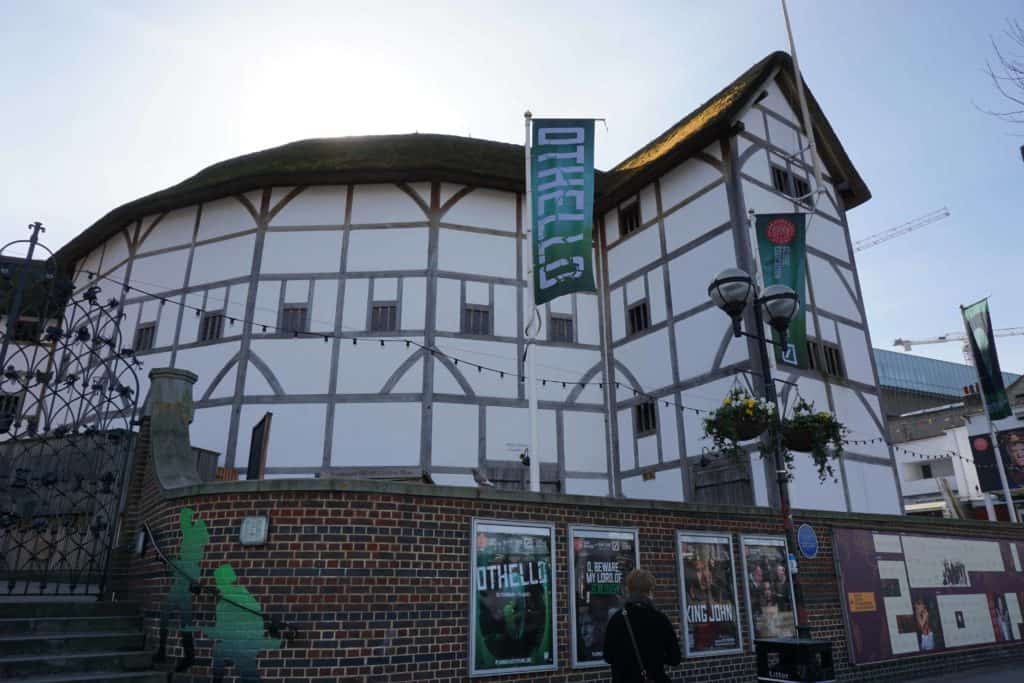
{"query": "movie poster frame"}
(683, 623)
(770, 540)
(571, 554)
(549, 527)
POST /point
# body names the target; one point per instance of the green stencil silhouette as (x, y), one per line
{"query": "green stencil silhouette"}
(239, 628)
(184, 572)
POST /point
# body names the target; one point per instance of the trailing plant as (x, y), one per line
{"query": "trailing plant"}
(818, 433)
(741, 417)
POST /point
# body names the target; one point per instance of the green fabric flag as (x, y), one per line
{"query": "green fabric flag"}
(983, 348)
(562, 181)
(782, 244)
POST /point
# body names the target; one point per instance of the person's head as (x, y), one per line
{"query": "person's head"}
(640, 582)
(767, 593)
(1015, 445)
(703, 567)
(921, 609)
(780, 572)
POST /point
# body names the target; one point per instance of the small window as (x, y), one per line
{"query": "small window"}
(926, 472)
(384, 318)
(801, 188)
(780, 180)
(629, 218)
(561, 329)
(294, 319)
(812, 355)
(826, 358)
(476, 320)
(211, 326)
(639, 317)
(645, 418)
(27, 331)
(789, 184)
(145, 336)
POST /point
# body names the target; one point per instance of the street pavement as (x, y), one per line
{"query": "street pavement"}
(1002, 674)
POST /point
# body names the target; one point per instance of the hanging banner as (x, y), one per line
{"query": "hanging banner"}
(985, 462)
(599, 561)
(1011, 447)
(781, 243)
(512, 606)
(562, 182)
(769, 587)
(709, 599)
(986, 361)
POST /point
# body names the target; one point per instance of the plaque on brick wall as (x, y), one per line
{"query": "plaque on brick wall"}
(708, 597)
(599, 560)
(512, 604)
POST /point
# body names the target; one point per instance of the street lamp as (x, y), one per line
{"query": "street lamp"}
(732, 290)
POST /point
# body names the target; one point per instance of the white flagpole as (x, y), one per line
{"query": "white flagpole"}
(530, 313)
(818, 185)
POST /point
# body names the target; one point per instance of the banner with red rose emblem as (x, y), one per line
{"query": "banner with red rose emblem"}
(985, 462)
(781, 242)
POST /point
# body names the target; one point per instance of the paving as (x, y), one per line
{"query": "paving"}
(1000, 674)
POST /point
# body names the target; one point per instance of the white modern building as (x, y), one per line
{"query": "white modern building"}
(421, 237)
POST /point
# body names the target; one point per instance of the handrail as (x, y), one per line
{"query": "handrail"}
(277, 626)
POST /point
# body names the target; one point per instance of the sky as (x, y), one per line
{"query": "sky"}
(104, 102)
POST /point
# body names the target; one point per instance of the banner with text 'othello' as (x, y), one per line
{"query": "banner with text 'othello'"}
(781, 242)
(986, 360)
(562, 182)
(513, 604)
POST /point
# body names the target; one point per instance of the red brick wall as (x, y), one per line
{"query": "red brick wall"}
(375, 577)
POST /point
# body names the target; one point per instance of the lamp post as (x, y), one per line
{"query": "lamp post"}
(732, 290)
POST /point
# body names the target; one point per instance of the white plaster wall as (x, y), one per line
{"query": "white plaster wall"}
(455, 438)
(414, 301)
(627, 445)
(633, 252)
(449, 307)
(648, 358)
(505, 313)
(365, 368)
(611, 226)
(509, 428)
(692, 272)
(364, 435)
(318, 205)
(461, 251)
(222, 260)
(686, 180)
(161, 272)
(698, 339)
(647, 450)
(560, 363)
(669, 430)
(587, 321)
(174, 230)
(206, 361)
(325, 299)
(353, 312)
(587, 487)
(384, 204)
(656, 295)
(296, 251)
(296, 434)
(483, 208)
(872, 488)
(856, 354)
(692, 220)
(830, 294)
(858, 420)
(617, 303)
(667, 485)
(209, 429)
(387, 249)
(167, 321)
(586, 445)
(499, 355)
(829, 238)
(648, 204)
(306, 377)
(226, 216)
(116, 251)
(808, 491)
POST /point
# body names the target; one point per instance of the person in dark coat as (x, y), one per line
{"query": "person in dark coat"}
(655, 637)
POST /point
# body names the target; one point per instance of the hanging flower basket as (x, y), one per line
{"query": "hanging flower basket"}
(741, 417)
(819, 434)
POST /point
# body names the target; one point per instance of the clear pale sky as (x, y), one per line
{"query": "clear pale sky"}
(104, 102)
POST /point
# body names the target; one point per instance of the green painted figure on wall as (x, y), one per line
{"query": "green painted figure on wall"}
(184, 574)
(239, 629)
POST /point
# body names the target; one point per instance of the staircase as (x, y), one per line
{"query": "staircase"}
(58, 642)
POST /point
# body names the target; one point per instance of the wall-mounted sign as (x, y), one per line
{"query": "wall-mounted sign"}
(709, 599)
(770, 599)
(807, 539)
(253, 530)
(512, 604)
(599, 560)
(861, 601)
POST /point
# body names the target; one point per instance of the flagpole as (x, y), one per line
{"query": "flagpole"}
(819, 186)
(531, 330)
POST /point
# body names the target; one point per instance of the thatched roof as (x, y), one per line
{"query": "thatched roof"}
(498, 165)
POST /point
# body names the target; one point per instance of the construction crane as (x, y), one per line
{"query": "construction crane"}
(908, 344)
(909, 226)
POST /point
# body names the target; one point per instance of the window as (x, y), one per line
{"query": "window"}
(926, 472)
(384, 318)
(639, 317)
(561, 329)
(629, 218)
(789, 184)
(476, 320)
(825, 358)
(645, 419)
(294, 319)
(27, 331)
(800, 188)
(780, 180)
(211, 326)
(145, 335)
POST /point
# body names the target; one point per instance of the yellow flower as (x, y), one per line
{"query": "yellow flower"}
(824, 415)
(750, 403)
(727, 402)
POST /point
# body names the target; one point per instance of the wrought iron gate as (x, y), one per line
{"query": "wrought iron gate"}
(68, 393)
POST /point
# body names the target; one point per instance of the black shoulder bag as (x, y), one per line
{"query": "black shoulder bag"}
(636, 650)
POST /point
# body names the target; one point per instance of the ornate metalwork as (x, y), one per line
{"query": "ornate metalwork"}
(68, 394)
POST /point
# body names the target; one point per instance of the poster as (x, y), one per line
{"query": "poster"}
(709, 598)
(599, 561)
(1011, 447)
(912, 594)
(770, 598)
(512, 604)
(781, 245)
(562, 183)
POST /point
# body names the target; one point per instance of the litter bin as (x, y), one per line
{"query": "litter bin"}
(802, 660)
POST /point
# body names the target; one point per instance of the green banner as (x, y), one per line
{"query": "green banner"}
(562, 182)
(513, 601)
(781, 242)
(986, 361)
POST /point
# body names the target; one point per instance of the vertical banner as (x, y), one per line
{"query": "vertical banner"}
(562, 181)
(983, 348)
(709, 599)
(599, 560)
(1011, 446)
(985, 462)
(769, 587)
(512, 604)
(781, 243)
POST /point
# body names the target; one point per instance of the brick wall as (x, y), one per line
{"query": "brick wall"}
(374, 576)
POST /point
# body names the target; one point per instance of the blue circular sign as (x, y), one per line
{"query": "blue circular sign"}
(807, 539)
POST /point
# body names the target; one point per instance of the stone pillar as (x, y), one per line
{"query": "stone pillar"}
(169, 409)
